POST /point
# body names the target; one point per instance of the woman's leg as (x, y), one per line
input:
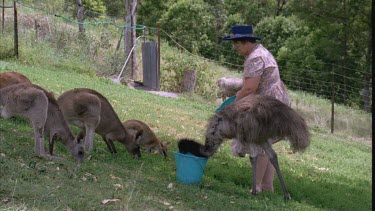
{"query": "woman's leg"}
(267, 184)
(262, 162)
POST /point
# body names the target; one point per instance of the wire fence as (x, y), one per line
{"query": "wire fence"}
(103, 48)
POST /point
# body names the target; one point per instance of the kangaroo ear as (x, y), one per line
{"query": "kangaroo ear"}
(52, 93)
(165, 143)
(138, 134)
(163, 151)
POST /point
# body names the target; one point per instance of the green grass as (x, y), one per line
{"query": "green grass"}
(333, 174)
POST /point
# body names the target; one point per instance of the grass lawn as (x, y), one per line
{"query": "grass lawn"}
(335, 172)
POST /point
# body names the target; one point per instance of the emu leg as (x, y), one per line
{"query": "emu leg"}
(110, 145)
(273, 158)
(253, 162)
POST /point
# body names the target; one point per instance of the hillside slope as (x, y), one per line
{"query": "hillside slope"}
(333, 174)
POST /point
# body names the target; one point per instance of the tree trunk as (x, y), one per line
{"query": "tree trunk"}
(280, 6)
(345, 50)
(130, 38)
(189, 80)
(134, 38)
(366, 95)
(80, 10)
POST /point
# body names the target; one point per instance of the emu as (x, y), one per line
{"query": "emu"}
(41, 109)
(91, 111)
(229, 86)
(255, 121)
(10, 78)
(147, 137)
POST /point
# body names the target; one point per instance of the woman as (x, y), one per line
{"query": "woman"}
(260, 76)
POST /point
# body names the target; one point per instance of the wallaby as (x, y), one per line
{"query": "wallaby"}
(41, 109)
(91, 111)
(10, 78)
(147, 137)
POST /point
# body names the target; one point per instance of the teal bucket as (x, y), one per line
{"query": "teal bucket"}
(225, 103)
(189, 168)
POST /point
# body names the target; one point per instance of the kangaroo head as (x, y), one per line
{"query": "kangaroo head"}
(74, 146)
(78, 150)
(163, 149)
(131, 144)
(138, 135)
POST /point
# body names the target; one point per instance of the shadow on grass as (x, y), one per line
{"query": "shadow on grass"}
(224, 174)
(321, 190)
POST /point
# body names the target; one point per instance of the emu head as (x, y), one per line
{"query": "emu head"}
(191, 146)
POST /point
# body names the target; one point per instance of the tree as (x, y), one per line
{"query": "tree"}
(342, 37)
(276, 30)
(189, 22)
(80, 12)
(114, 7)
(251, 11)
(150, 11)
(130, 38)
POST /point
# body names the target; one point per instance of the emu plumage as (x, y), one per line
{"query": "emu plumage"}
(257, 121)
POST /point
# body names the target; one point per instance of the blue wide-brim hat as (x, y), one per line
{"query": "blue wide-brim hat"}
(241, 32)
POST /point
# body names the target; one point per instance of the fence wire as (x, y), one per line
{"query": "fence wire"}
(102, 47)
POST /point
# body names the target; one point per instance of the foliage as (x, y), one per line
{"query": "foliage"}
(93, 8)
(308, 38)
(6, 49)
(114, 8)
(189, 22)
(174, 67)
(252, 12)
(150, 11)
(276, 30)
(297, 60)
(337, 35)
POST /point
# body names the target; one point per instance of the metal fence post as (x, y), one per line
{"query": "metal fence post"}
(3, 18)
(150, 60)
(158, 80)
(333, 100)
(15, 30)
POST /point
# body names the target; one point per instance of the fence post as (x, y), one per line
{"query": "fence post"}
(333, 100)
(15, 30)
(149, 59)
(158, 80)
(3, 18)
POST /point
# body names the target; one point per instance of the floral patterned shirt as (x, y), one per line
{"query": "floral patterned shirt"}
(261, 63)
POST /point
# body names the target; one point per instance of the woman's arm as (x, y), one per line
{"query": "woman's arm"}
(250, 86)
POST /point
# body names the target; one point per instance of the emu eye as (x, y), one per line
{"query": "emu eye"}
(80, 152)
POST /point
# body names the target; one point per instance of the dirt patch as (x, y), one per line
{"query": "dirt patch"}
(139, 86)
